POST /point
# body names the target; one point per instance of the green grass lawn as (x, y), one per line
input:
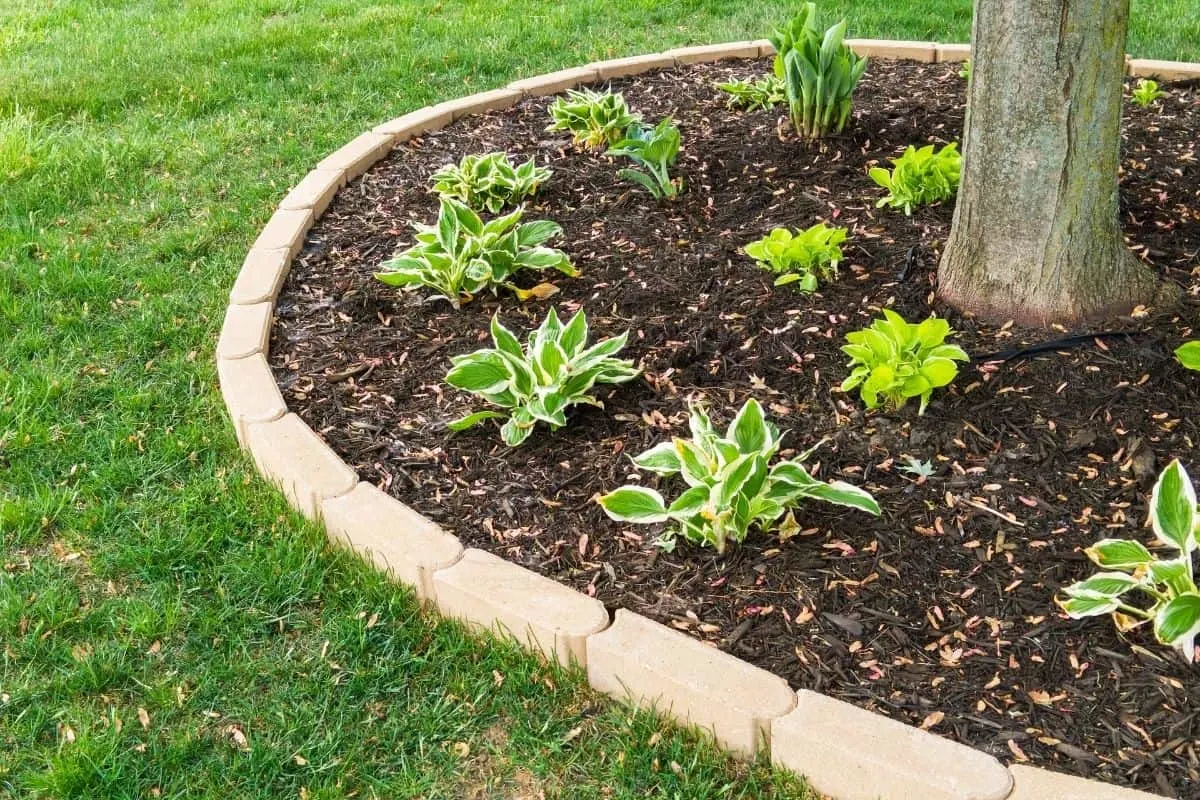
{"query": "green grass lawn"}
(167, 627)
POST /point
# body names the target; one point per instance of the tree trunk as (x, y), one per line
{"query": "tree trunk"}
(1036, 234)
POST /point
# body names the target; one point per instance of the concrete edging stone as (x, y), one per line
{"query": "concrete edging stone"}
(846, 751)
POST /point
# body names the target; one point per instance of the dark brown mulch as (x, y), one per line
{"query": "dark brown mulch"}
(940, 613)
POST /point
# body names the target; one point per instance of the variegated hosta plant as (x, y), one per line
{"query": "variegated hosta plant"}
(1168, 583)
(732, 483)
(461, 256)
(538, 383)
(489, 182)
(594, 119)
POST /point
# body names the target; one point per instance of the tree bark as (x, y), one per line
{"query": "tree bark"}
(1036, 235)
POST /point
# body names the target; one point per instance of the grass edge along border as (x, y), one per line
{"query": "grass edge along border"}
(628, 657)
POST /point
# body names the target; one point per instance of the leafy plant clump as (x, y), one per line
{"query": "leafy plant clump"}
(489, 182)
(538, 383)
(894, 360)
(805, 257)
(732, 483)
(1169, 584)
(819, 72)
(655, 150)
(594, 119)
(764, 92)
(965, 70)
(920, 177)
(461, 256)
(1146, 92)
(1188, 354)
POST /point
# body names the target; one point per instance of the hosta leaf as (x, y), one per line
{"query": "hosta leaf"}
(634, 504)
(938, 371)
(514, 432)
(1178, 623)
(1188, 354)
(660, 459)
(689, 504)
(479, 372)
(471, 420)
(505, 340)
(1121, 554)
(844, 494)
(693, 463)
(748, 428)
(1103, 584)
(1175, 573)
(1080, 607)
(574, 335)
(1173, 508)
(731, 480)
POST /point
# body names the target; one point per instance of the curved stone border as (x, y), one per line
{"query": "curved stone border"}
(843, 750)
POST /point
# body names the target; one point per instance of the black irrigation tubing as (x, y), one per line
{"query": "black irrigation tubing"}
(1066, 343)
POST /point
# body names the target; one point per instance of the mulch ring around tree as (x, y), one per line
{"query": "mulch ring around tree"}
(940, 613)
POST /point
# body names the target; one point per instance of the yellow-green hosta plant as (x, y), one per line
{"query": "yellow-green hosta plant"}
(539, 382)
(594, 119)
(1129, 567)
(655, 150)
(461, 256)
(894, 360)
(489, 182)
(920, 177)
(732, 484)
(1146, 93)
(805, 257)
(819, 73)
(1188, 354)
(764, 92)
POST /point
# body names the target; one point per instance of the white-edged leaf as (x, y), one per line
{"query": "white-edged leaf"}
(471, 420)
(634, 504)
(660, 459)
(1122, 554)
(1173, 508)
(1178, 622)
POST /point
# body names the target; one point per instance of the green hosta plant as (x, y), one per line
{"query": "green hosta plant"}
(1128, 566)
(538, 383)
(1188, 354)
(655, 150)
(965, 70)
(461, 256)
(920, 177)
(894, 360)
(594, 119)
(803, 257)
(765, 92)
(489, 182)
(1147, 92)
(732, 484)
(819, 73)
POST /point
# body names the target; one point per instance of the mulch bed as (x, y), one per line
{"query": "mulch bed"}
(939, 613)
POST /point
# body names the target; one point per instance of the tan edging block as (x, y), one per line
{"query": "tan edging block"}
(358, 155)
(494, 100)
(405, 127)
(765, 48)
(262, 273)
(496, 595)
(701, 54)
(953, 52)
(315, 190)
(1031, 783)
(246, 331)
(1166, 70)
(854, 754)
(651, 665)
(635, 65)
(887, 48)
(555, 82)
(290, 455)
(285, 230)
(250, 391)
(395, 538)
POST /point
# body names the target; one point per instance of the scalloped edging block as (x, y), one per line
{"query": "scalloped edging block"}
(358, 155)
(500, 596)
(494, 100)
(886, 48)
(415, 123)
(765, 48)
(855, 754)
(290, 455)
(315, 190)
(250, 391)
(953, 52)
(246, 331)
(261, 277)
(1165, 70)
(635, 65)
(649, 664)
(285, 230)
(555, 82)
(702, 54)
(1031, 783)
(398, 540)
